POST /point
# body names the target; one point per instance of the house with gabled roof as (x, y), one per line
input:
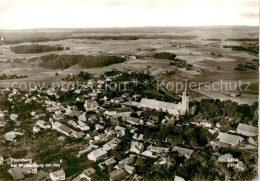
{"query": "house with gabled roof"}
(125, 161)
(3, 123)
(247, 130)
(136, 147)
(11, 135)
(85, 175)
(13, 117)
(62, 128)
(132, 120)
(19, 172)
(149, 154)
(229, 139)
(120, 131)
(58, 116)
(58, 175)
(157, 149)
(53, 109)
(177, 178)
(43, 124)
(74, 113)
(183, 151)
(138, 136)
(91, 105)
(119, 174)
(97, 154)
(225, 157)
(129, 169)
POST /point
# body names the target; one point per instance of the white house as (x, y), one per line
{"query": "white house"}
(13, 117)
(58, 175)
(230, 139)
(85, 175)
(43, 124)
(136, 147)
(247, 130)
(91, 105)
(97, 154)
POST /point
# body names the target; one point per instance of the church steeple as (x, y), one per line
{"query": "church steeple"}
(185, 102)
(2, 38)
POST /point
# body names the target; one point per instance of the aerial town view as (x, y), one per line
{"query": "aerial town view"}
(136, 103)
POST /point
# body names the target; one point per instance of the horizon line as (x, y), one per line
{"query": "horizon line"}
(183, 26)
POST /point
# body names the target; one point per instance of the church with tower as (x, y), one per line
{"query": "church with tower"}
(175, 109)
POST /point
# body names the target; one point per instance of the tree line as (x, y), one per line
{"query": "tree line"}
(27, 49)
(55, 61)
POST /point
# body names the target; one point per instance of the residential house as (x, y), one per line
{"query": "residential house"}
(62, 128)
(19, 172)
(36, 129)
(150, 122)
(111, 144)
(125, 161)
(205, 124)
(120, 131)
(229, 139)
(86, 150)
(13, 117)
(2, 115)
(83, 126)
(110, 113)
(241, 166)
(1, 160)
(58, 116)
(177, 178)
(77, 134)
(61, 138)
(73, 123)
(157, 149)
(119, 174)
(91, 105)
(39, 116)
(108, 162)
(138, 136)
(10, 136)
(74, 113)
(3, 123)
(225, 158)
(247, 130)
(85, 175)
(53, 109)
(136, 147)
(58, 175)
(149, 154)
(82, 117)
(97, 154)
(38, 111)
(43, 124)
(132, 120)
(129, 169)
(183, 151)
(41, 175)
(98, 127)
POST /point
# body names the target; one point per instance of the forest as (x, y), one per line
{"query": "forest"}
(164, 55)
(55, 61)
(27, 49)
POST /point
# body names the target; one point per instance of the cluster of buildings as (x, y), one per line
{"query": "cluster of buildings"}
(90, 126)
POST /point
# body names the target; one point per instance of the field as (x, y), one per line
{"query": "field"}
(211, 61)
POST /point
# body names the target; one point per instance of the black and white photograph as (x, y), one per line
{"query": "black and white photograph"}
(129, 90)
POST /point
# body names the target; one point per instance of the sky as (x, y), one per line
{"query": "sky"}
(27, 14)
